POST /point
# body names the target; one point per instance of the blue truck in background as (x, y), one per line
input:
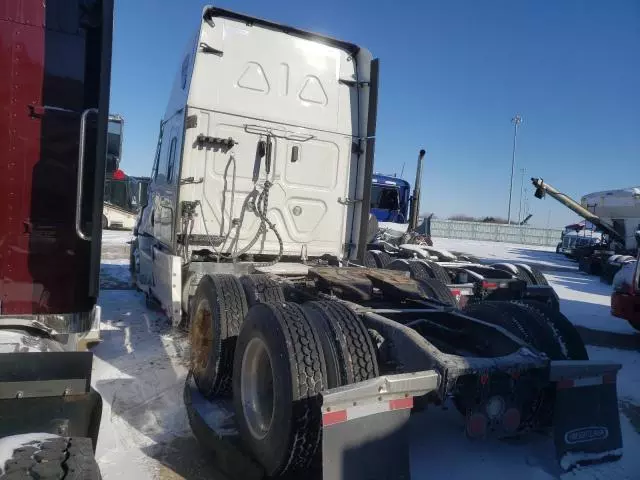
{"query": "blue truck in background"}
(390, 198)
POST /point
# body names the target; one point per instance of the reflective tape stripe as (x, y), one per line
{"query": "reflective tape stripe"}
(364, 410)
(401, 403)
(586, 382)
(331, 418)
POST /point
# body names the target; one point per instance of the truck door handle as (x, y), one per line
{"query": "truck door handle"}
(81, 149)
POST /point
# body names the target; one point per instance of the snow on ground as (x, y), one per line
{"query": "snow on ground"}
(116, 237)
(628, 377)
(140, 368)
(544, 258)
(440, 450)
(587, 302)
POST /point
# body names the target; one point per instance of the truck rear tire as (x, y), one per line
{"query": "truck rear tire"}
(370, 259)
(260, 288)
(41, 456)
(417, 270)
(515, 270)
(382, 259)
(436, 271)
(217, 311)
(279, 371)
(348, 351)
(530, 326)
(584, 265)
(440, 291)
(566, 334)
(534, 276)
(538, 277)
(526, 323)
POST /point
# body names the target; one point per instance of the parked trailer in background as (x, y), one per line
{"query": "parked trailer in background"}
(301, 362)
(54, 97)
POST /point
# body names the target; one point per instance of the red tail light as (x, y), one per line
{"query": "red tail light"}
(489, 285)
(511, 420)
(476, 425)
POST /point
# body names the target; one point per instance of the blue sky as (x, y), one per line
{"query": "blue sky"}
(452, 75)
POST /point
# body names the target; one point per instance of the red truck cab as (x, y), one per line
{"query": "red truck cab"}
(55, 59)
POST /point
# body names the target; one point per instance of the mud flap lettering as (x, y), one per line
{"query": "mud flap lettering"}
(586, 418)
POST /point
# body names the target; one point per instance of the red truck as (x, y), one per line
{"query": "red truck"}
(55, 61)
(625, 299)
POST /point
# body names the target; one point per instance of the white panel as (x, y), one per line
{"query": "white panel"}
(270, 75)
(317, 165)
(306, 214)
(303, 201)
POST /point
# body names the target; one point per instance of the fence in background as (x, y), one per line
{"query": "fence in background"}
(495, 232)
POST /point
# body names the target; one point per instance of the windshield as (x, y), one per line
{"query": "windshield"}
(385, 197)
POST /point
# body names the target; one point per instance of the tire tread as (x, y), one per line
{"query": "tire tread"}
(356, 355)
(55, 458)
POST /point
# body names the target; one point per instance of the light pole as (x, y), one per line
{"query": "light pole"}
(522, 172)
(517, 120)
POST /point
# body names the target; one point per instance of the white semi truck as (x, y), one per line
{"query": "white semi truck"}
(303, 362)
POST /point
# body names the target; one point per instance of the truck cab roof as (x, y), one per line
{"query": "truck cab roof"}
(389, 180)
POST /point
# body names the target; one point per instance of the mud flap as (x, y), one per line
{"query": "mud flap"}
(167, 284)
(365, 427)
(48, 392)
(586, 421)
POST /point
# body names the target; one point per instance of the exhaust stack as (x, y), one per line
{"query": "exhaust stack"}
(414, 208)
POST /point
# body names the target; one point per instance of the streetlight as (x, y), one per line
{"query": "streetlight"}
(517, 120)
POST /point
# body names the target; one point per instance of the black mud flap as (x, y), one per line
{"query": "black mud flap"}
(48, 392)
(365, 427)
(213, 424)
(586, 421)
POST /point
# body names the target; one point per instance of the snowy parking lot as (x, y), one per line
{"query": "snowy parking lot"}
(140, 368)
